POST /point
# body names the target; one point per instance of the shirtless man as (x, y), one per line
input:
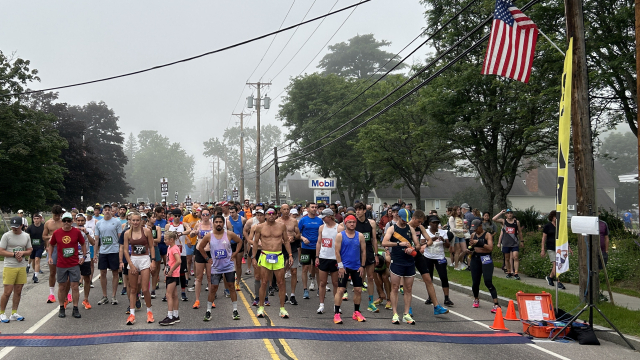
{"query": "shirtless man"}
(255, 254)
(50, 226)
(293, 232)
(271, 236)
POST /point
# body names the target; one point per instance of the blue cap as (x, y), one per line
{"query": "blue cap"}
(509, 210)
(404, 215)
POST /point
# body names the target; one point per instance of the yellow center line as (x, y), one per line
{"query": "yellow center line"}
(267, 343)
(286, 347)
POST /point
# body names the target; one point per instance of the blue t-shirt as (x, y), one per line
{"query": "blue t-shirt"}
(627, 217)
(108, 231)
(309, 228)
(99, 217)
(162, 223)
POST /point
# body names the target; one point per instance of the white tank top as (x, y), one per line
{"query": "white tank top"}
(436, 250)
(180, 241)
(328, 245)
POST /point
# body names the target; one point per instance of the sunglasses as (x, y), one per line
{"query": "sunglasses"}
(67, 220)
(205, 214)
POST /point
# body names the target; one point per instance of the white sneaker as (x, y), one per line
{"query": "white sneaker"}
(463, 267)
(311, 286)
(4, 318)
(451, 264)
(16, 317)
(321, 309)
(328, 288)
(287, 274)
(191, 289)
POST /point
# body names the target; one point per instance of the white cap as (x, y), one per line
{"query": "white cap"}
(304, 213)
(293, 212)
(89, 209)
(20, 212)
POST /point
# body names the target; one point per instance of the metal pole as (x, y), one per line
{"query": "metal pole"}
(275, 159)
(258, 146)
(218, 188)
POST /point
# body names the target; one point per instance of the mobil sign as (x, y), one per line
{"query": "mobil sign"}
(322, 183)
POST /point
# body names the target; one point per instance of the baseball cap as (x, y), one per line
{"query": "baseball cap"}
(259, 211)
(16, 222)
(434, 218)
(509, 211)
(404, 215)
(20, 211)
(325, 213)
(304, 213)
(89, 209)
(351, 209)
(67, 215)
(338, 202)
(271, 211)
(293, 211)
(122, 207)
(97, 205)
(260, 204)
(80, 214)
(464, 206)
(176, 212)
(37, 215)
(224, 203)
(395, 208)
(474, 224)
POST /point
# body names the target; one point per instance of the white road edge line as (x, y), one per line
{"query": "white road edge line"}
(487, 326)
(4, 352)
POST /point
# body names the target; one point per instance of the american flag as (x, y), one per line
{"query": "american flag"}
(512, 43)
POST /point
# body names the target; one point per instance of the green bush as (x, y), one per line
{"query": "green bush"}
(614, 223)
(529, 218)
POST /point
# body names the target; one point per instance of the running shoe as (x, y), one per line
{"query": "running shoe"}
(388, 305)
(248, 272)
(69, 298)
(128, 312)
(358, 316)
(402, 290)
(286, 298)
(428, 301)
(292, 300)
(395, 319)
(561, 286)
(260, 312)
(196, 305)
(364, 285)
(86, 304)
(28, 267)
(131, 320)
(272, 291)
(114, 301)
(312, 286)
(337, 319)
(378, 301)
(305, 295)
(476, 303)
(266, 302)
(287, 274)
(35, 279)
(138, 303)
(244, 261)
(448, 302)
(124, 291)
(236, 315)
(207, 316)
(158, 286)
(153, 294)
(495, 308)
(51, 299)
(213, 305)
(91, 286)
(227, 293)
(76, 313)
(119, 281)
(345, 296)
(184, 297)
(516, 276)
(463, 267)
(191, 289)
(176, 319)
(61, 314)
(408, 319)
(320, 309)
(283, 313)
(16, 317)
(66, 302)
(103, 301)
(164, 298)
(549, 281)
(255, 302)
(328, 288)
(166, 321)
(150, 317)
(207, 288)
(439, 310)
(237, 286)
(373, 308)
(193, 273)
(509, 276)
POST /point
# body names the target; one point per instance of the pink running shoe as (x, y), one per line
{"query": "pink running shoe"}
(69, 298)
(337, 319)
(51, 299)
(476, 303)
(358, 316)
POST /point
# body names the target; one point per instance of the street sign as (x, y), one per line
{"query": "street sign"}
(188, 201)
(176, 196)
(164, 194)
(224, 193)
(164, 185)
(235, 193)
(322, 196)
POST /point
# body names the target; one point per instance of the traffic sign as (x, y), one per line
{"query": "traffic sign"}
(188, 200)
(176, 196)
(164, 194)
(164, 185)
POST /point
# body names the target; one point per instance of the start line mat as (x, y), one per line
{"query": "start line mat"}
(249, 333)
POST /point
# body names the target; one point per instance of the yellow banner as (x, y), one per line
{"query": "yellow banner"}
(564, 131)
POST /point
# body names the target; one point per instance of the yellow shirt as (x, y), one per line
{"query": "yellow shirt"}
(191, 220)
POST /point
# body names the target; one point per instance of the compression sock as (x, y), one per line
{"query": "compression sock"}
(336, 309)
(356, 307)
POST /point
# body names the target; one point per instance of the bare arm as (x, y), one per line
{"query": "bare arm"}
(337, 247)
(319, 243)
(386, 241)
(374, 236)
(363, 251)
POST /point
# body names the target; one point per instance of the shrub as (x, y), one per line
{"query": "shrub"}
(529, 218)
(614, 222)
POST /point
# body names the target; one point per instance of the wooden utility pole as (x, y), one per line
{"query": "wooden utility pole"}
(242, 115)
(582, 144)
(638, 90)
(258, 159)
(277, 171)
(218, 188)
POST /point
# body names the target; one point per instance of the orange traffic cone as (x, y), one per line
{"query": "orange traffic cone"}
(511, 312)
(498, 322)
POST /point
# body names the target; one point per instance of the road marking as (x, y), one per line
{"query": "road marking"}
(4, 352)
(487, 326)
(267, 342)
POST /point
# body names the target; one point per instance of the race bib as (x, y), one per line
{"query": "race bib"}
(304, 259)
(67, 252)
(220, 254)
(510, 230)
(272, 258)
(107, 240)
(367, 236)
(35, 242)
(486, 259)
(139, 249)
(326, 242)
(442, 261)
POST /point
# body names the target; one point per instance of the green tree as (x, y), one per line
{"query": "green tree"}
(619, 155)
(358, 58)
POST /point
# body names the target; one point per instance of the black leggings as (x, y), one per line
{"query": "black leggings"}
(478, 270)
(442, 271)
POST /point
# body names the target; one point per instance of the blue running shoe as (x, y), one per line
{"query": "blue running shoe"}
(439, 310)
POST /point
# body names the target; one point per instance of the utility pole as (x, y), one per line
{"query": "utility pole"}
(638, 87)
(242, 115)
(213, 179)
(258, 105)
(582, 145)
(277, 171)
(218, 188)
(226, 172)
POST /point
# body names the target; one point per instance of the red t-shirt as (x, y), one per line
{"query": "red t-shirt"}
(175, 249)
(67, 245)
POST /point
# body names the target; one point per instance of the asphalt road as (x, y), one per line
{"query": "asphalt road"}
(41, 317)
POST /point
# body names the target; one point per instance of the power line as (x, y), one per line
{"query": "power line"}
(190, 58)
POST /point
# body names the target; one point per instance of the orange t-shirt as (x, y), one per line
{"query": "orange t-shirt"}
(247, 213)
(191, 220)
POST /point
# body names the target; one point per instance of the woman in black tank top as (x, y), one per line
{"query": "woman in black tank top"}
(481, 243)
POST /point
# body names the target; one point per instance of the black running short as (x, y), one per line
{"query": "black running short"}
(199, 258)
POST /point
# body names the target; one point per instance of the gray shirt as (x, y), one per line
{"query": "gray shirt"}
(13, 243)
(108, 231)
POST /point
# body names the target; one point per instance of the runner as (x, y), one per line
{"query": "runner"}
(181, 229)
(85, 267)
(237, 223)
(108, 232)
(326, 255)
(401, 239)
(15, 246)
(433, 251)
(67, 240)
(293, 232)
(351, 253)
(203, 227)
(91, 224)
(50, 226)
(161, 222)
(155, 272)
(191, 219)
(247, 209)
(97, 211)
(509, 236)
(272, 235)
(35, 231)
(382, 278)
(308, 227)
(140, 240)
(172, 274)
(222, 267)
(482, 263)
(256, 249)
(367, 227)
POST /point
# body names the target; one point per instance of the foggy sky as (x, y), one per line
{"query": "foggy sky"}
(77, 41)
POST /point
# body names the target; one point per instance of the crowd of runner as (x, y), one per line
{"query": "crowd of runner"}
(336, 247)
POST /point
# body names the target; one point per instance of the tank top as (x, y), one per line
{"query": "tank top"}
(237, 227)
(180, 241)
(350, 251)
(203, 232)
(221, 254)
(328, 245)
(481, 239)
(510, 238)
(365, 228)
(398, 256)
(436, 250)
(139, 246)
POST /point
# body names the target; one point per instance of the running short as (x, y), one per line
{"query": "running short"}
(508, 250)
(54, 256)
(296, 258)
(370, 258)
(328, 265)
(190, 250)
(183, 264)
(172, 279)
(307, 256)
(109, 261)
(36, 252)
(140, 262)
(355, 277)
(91, 251)
(234, 246)
(403, 270)
(273, 265)
(200, 259)
(85, 268)
(421, 264)
(552, 255)
(228, 277)
(65, 274)
(382, 265)
(163, 249)
(158, 257)
(14, 276)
